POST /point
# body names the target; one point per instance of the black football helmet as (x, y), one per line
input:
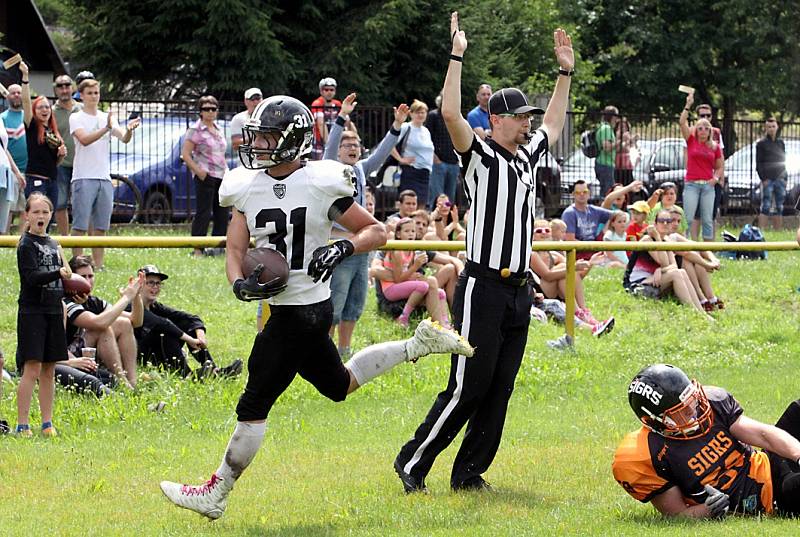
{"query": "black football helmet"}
(668, 403)
(289, 121)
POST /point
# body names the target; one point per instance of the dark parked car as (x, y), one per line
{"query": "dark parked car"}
(152, 163)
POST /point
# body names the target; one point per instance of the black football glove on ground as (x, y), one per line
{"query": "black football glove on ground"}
(248, 289)
(717, 502)
(325, 258)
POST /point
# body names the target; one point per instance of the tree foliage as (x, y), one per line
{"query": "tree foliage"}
(388, 51)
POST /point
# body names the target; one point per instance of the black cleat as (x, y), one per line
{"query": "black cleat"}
(410, 483)
(232, 370)
(473, 484)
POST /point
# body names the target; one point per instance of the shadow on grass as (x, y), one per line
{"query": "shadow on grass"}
(302, 530)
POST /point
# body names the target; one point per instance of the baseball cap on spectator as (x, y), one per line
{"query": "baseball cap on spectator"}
(84, 75)
(511, 101)
(327, 81)
(249, 94)
(641, 207)
(152, 269)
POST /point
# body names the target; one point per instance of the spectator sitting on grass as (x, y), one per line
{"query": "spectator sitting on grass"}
(408, 283)
(660, 270)
(93, 322)
(615, 233)
(446, 222)
(407, 204)
(664, 198)
(698, 265)
(447, 267)
(165, 330)
(551, 268)
(584, 220)
(544, 308)
(639, 211)
(618, 196)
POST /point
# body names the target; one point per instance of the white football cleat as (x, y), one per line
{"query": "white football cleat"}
(432, 338)
(209, 499)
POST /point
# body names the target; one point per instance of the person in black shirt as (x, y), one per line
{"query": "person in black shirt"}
(771, 168)
(444, 175)
(45, 146)
(492, 302)
(164, 331)
(41, 341)
(93, 322)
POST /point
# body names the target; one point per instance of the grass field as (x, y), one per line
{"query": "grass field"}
(326, 468)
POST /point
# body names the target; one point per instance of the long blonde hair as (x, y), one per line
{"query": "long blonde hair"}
(710, 143)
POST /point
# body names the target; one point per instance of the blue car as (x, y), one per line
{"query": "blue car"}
(151, 182)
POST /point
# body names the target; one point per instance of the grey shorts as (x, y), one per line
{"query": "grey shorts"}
(92, 200)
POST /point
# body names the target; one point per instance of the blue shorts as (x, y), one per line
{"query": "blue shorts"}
(48, 187)
(92, 199)
(64, 180)
(349, 288)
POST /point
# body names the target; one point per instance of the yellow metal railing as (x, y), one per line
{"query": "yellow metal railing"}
(570, 247)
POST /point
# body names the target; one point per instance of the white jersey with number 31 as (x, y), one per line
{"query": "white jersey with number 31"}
(291, 215)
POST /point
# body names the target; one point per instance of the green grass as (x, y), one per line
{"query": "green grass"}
(326, 468)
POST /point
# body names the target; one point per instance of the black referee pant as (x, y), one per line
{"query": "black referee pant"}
(494, 317)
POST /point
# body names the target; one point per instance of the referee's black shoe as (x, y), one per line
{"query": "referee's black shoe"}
(410, 483)
(473, 484)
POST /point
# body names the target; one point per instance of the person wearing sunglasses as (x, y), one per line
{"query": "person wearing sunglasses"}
(203, 151)
(65, 106)
(704, 169)
(660, 270)
(704, 111)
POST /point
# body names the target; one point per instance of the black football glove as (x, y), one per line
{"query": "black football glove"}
(325, 258)
(717, 502)
(248, 289)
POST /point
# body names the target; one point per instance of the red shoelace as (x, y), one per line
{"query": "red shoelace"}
(190, 490)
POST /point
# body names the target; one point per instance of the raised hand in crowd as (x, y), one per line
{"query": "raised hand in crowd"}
(401, 112)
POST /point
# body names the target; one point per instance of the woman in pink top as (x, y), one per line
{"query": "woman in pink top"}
(704, 169)
(203, 152)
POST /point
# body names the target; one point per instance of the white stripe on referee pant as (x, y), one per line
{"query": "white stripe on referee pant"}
(437, 427)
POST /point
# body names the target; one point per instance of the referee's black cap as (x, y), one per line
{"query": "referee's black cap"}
(152, 269)
(511, 101)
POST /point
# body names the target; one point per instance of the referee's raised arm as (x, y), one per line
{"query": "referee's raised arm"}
(556, 113)
(460, 132)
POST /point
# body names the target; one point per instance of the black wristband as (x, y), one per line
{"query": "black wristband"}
(340, 120)
(457, 58)
(394, 131)
(687, 110)
(564, 72)
(24, 81)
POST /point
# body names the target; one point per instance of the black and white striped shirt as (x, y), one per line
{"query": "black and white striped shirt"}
(501, 189)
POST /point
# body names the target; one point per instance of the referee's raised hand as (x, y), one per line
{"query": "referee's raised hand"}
(562, 45)
(457, 36)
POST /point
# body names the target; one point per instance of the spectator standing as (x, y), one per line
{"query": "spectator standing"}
(478, 117)
(771, 168)
(203, 152)
(11, 180)
(325, 110)
(416, 162)
(252, 97)
(65, 106)
(41, 341)
(584, 220)
(46, 149)
(444, 174)
(606, 148)
(704, 168)
(627, 156)
(349, 280)
(704, 111)
(492, 303)
(14, 121)
(92, 191)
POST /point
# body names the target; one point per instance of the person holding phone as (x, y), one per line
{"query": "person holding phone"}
(203, 152)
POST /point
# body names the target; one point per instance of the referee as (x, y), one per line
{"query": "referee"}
(492, 304)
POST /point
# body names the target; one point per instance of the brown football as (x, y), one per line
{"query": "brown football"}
(275, 265)
(76, 285)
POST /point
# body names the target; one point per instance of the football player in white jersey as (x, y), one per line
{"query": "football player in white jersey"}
(289, 204)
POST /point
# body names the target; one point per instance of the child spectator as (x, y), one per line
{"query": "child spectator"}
(407, 283)
(558, 228)
(551, 268)
(639, 212)
(41, 340)
(615, 233)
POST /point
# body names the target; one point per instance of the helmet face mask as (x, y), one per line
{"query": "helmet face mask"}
(670, 404)
(279, 131)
